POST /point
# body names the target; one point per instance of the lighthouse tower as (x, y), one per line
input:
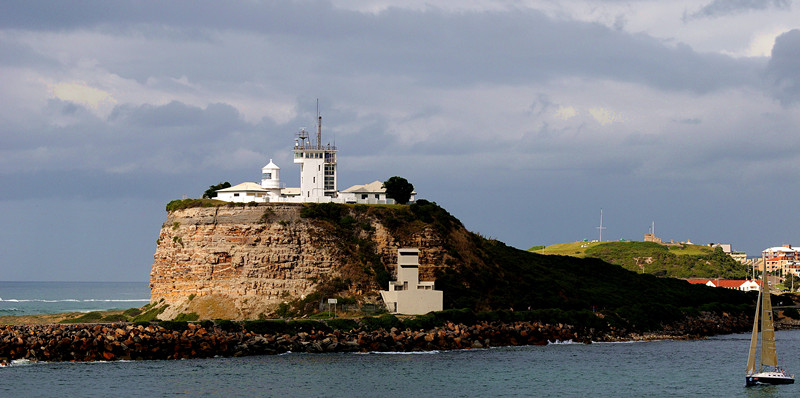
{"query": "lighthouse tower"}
(317, 166)
(271, 179)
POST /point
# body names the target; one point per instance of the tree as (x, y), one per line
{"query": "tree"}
(399, 189)
(211, 192)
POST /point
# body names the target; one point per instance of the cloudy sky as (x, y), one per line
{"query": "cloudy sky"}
(522, 118)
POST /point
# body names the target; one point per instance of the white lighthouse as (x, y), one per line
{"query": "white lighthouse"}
(317, 166)
(271, 180)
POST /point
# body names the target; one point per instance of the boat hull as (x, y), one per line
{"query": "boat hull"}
(771, 378)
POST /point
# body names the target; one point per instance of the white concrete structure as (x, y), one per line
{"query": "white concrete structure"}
(407, 295)
(245, 192)
(372, 193)
(318, 179)
(317, 166)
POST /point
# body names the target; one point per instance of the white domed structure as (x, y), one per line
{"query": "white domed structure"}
(270, 176)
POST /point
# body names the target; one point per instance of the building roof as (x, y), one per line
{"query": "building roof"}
(730, 283)
(244, 187)
(780, 249)
(271, 165)
(373, 187)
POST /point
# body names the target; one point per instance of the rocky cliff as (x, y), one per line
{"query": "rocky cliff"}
(240, 262)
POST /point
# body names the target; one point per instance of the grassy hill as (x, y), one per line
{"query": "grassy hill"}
(684, 261)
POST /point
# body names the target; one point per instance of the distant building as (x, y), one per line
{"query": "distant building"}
(318, 179)
(783, 259)
(407, 295)
(649, 237)
(728, 249)
(736, 284)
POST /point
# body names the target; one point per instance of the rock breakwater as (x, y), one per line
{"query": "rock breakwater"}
(106, 342)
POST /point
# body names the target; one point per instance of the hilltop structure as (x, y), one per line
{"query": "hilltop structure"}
(318, 179)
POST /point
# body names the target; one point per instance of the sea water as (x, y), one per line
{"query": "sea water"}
(712, 367)
(30, 298)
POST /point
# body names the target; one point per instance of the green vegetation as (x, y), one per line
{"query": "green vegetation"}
(268, 215)
(177, 325)
(399, 189)
(150, 312)
(211, 192)
(192, 316)
(180, 204)
(679, 261)
(676, 262)
(89, 317)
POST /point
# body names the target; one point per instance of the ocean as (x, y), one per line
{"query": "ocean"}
(30, 298)
(712, 367)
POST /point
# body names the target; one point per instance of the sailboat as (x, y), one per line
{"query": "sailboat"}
(768, 371)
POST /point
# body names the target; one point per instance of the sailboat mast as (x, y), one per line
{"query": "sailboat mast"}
(768, 356)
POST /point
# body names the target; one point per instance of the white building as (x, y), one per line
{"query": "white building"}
(407, 295)
(372, 193)
(318, 179)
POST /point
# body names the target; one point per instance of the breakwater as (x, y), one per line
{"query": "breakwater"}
(119, 341)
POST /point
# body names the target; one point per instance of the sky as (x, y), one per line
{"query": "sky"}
(522, 118)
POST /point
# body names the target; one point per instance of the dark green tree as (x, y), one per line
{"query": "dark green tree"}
(211, 192)
(399, 189)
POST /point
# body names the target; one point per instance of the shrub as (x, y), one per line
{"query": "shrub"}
(227, 325)
(386, 322)
(207, 324)
(344, 325)
(115, 318)
(150, 313)
(180, 204)
(422, 322)
(131, 312)
(308, 326)
(267, 326)
(174, 325)
(89, 317)
(192, 316)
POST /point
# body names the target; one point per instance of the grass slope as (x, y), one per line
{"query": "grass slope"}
(684, 261)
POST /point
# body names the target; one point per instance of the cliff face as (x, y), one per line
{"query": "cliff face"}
(241, 262)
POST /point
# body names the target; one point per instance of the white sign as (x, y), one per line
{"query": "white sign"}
(331, 301)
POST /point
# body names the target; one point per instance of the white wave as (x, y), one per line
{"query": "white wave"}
(559, 342)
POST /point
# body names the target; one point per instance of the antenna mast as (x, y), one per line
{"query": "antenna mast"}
(601, 227)
(319, 127)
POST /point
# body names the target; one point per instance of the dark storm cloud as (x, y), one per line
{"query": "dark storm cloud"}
(429, 47)
(783, 71)
(720, 8)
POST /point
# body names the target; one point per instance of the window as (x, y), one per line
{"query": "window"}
(266, 176)
(377, 196)
(236, 194)
(405, 285)
(364, 196)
